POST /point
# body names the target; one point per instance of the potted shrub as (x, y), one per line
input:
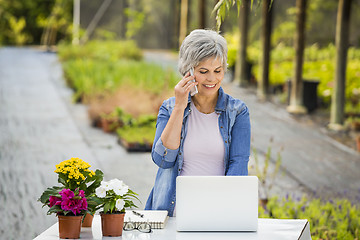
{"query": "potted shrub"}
(74, 174)
(114, 196)
(70, 207)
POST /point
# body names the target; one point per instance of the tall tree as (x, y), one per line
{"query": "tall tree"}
(296, 94)
(241, 63)
(266, 18)
(342, 44)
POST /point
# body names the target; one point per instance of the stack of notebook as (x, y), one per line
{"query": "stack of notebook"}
(156, 219)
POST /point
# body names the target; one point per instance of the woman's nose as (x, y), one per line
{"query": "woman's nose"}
(211, 77)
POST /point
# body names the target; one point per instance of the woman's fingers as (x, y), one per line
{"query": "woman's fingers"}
(186, 79)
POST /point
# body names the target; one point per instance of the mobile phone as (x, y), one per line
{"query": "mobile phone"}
(193, 90)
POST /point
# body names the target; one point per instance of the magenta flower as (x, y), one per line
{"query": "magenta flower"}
(66, 193)
(81, 193)
(54, 201)
(70, 202)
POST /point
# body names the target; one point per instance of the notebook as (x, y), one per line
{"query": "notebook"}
(217, 203)
(156, 218)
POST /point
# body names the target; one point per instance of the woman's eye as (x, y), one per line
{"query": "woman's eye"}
(203, 72)
(217, 71)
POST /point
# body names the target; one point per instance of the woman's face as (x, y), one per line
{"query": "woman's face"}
(209, 75)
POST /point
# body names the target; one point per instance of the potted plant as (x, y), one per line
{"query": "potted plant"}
(74, 174)
(70, 207)
(114, 196)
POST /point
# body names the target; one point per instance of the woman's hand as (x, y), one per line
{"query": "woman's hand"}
(182, 90)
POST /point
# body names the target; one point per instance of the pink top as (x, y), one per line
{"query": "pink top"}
(204, 149)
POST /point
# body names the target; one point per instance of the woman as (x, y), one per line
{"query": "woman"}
(205, 134)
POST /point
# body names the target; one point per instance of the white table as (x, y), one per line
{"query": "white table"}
(279, 229)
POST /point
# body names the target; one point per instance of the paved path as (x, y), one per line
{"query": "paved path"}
(40, 127)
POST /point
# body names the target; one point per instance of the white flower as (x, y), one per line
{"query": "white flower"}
(105, 185)
(118, 187)
(100, 192)
(120, 204)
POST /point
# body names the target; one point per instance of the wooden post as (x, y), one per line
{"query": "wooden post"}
(263, 84)
(241, 63)
(183, 20)
(342, 44)
(202, 14)
(76, 23)
(296, 94)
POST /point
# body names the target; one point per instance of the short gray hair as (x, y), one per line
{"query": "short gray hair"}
(199, 45)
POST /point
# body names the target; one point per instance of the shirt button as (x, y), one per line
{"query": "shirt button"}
(172, 202)
(221, 127)
(179, 153)
(225, 141)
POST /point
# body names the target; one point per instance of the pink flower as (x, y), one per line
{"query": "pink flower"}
(66, 193)
(68, 203)
(54, 201)
(82, 193)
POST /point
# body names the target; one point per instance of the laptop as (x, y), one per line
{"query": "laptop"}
(216, 203)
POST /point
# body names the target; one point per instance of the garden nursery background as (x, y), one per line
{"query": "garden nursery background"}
(71, 71)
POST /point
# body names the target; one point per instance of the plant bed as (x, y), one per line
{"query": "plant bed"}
(135, 146)
(139, 135)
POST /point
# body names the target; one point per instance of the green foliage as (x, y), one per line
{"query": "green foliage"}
(266, 178)
(16, 30)
(332, 219)
(223, 7)
(109, 51)
(137, 130)
(319, 64)
(135, 24)
(103, 67)
(138, 134)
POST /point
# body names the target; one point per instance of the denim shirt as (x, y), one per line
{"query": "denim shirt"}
(234, 126)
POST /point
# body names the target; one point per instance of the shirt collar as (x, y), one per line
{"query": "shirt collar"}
(220, 104)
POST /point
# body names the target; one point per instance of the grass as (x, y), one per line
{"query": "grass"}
(329, 219)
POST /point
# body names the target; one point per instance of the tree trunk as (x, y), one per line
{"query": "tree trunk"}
(342, 43)
(124, 19)
(202, 14)
(266, 18)
(183, 20)
(241, 73)
(296, 95)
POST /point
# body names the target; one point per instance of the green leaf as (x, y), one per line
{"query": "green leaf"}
(51, 191)
(54, 209)
(107, 207)
(112, 205)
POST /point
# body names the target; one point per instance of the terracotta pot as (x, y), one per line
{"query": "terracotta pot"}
(87, 222)
(112, 224)
(69, 226)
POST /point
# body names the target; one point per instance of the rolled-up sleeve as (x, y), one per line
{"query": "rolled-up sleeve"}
(162, 156)
(240, 145)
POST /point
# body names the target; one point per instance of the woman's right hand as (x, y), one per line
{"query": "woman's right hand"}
(182, 90)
